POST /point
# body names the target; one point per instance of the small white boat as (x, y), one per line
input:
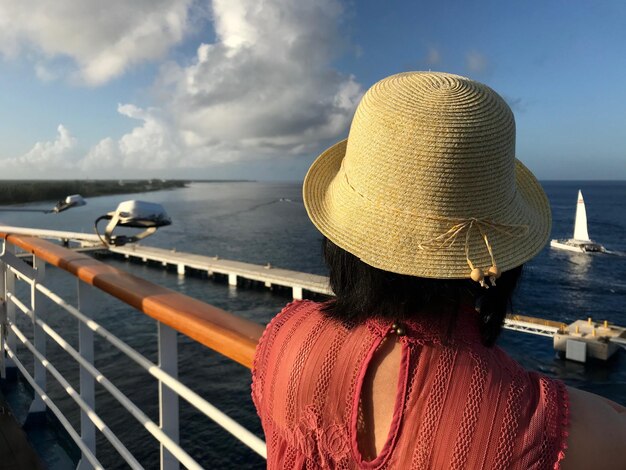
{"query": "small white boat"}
(581, 243)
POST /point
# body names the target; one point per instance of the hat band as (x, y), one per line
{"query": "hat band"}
(503, 209)
(447, 239)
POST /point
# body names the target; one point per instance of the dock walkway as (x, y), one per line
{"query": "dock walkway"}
(268, 275)
(533, 325)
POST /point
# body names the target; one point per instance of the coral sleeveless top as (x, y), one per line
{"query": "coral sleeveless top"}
(458, 404)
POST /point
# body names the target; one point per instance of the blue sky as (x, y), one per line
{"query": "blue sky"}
(256, 89)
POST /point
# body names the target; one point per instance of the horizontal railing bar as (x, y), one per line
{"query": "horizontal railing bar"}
(223, 332)
(19, 304)
(20, 276)
(54, 234)
(218, 416)
(139, 415)
(62, 419)
(91, 413)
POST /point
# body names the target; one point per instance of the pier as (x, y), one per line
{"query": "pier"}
(583, 339)
(535, 326)
(298, 282)
(577, 341)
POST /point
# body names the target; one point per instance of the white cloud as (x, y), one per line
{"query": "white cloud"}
(102, 38)
(265, 87)
(433, 57)
(46, 158)
(104, 155)
(45, 73)
(148, 146)
(476, 62)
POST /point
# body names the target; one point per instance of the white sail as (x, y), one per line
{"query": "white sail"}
(580, 226)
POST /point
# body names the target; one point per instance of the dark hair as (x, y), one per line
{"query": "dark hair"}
(363, 291)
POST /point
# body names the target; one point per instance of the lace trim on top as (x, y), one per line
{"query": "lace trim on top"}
(429, 330)
(565, 421)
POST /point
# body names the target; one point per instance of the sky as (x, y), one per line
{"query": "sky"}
(256, 89)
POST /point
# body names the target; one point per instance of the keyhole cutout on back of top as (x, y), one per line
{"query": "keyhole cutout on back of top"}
(379, 400)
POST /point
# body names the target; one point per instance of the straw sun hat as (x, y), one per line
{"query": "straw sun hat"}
(427, 183)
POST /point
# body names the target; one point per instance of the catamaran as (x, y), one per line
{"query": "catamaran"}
(581, 243)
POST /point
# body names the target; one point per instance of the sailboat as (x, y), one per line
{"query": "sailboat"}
(581, 242)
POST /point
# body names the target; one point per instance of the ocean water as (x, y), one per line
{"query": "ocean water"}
(266, 222)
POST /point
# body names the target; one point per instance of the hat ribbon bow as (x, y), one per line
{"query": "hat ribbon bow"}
(483, 225)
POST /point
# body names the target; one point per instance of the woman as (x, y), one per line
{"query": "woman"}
(428, 218)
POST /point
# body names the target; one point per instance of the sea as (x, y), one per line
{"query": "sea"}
(265, 222)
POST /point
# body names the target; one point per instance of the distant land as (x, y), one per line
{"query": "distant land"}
(24, 191)
(222, 181)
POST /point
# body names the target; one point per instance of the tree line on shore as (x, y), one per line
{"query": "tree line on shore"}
(23, 191)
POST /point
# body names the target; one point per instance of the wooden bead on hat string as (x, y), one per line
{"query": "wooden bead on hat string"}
(477, 274)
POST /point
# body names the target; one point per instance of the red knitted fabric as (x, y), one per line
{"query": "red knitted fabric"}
(459, 404)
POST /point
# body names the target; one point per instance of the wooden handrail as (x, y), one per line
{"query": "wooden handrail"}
(232, 336)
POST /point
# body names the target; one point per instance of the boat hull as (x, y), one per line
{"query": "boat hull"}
(577, 246)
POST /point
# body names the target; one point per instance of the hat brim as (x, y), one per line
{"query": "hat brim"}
(393, 240)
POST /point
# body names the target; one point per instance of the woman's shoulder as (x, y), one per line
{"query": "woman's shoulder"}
(284, 326)
(588, 431)
(302, 306)
(597, 433)
(296, 311)
(297, 308)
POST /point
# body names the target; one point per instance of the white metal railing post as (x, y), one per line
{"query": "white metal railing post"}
(37, 305)
(86, 304)
(168, 399)
(8, 308)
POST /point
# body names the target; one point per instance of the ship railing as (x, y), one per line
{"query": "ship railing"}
(174, 313)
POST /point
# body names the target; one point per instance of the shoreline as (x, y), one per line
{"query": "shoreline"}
(15, 192)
